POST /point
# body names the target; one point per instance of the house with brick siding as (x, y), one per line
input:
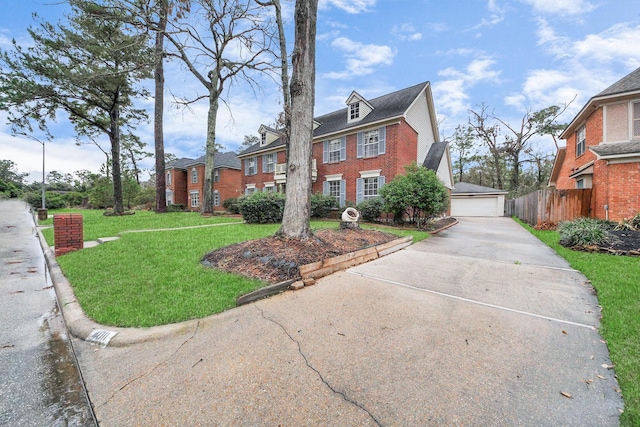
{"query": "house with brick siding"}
(185, 181)
(358, 148)
(602, 151)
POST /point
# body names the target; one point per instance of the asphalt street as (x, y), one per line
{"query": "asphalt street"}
(40, 382)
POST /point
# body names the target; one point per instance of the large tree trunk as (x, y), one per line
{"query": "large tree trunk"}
(158, 136)
(297, 209)
(212, 116)
(114, 136)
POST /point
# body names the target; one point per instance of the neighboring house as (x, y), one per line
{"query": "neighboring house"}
(185, 181)
(357, 149)
(602, 151)
(476, 200)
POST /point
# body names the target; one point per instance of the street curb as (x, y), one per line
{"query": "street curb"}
(81, 326)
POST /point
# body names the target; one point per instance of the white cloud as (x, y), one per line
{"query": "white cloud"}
(496, 15)
(452, 91)
(561, 7)
(406, 32)
(349, 6)
(584, 67)
(361, 59)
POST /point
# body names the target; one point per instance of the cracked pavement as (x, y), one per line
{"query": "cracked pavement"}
(482, 325)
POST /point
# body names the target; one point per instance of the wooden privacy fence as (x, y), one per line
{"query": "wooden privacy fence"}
(551, 206)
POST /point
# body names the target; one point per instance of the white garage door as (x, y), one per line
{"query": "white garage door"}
(474, 206)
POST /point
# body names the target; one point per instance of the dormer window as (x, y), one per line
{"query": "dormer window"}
(263, 139)
(354, 111)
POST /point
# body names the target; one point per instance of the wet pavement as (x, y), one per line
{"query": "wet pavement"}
(41, 384)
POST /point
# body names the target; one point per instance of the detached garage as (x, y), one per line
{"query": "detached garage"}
(476, 200)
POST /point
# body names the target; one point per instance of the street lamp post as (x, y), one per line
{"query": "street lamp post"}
(42, 212)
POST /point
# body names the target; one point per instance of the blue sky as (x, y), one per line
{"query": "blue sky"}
(513, 55)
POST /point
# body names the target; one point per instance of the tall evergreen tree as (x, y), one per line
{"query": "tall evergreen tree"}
(89, 69)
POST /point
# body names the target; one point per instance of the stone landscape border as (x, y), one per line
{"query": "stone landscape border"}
(315, 270)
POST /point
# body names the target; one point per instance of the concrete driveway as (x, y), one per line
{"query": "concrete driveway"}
(480, 325)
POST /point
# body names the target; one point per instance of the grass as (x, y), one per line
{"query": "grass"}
(148, 279)
(97, 225)
(617, 281)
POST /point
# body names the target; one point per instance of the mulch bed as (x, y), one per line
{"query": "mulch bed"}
(622, 242)
(276, 259)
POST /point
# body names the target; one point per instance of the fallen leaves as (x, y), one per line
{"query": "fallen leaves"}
(567, 395)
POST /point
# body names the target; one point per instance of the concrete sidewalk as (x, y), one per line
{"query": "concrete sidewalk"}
(480, 325)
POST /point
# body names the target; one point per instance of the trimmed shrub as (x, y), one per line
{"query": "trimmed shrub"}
(419, 194)
(74, 198)
(322, 205)
(262, 208)
(232, 205)
(371, 209)
(583, 231)
(176, 207)
(52, 200)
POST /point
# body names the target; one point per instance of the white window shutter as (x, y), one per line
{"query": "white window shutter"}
(360, 145)
(359, 190)
(343, 192)
(343, 148)
(325, 152)
(325, 188)
(382, 140)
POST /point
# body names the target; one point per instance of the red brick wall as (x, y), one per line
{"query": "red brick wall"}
(260, 178)
(178, 186)
(198, 186)
(228, 186)
(68, 233)
(615, 185)
(401, 150)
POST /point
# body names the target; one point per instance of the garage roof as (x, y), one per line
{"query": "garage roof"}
(465, 188)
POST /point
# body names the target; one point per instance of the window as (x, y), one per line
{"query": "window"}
(580, 183)
(216, 198)
(335, 187)
(335, 150)
(354, 111)
(581, 141)
(250, 167)
(169, 197)
(263, 138)
(636, 120)
(216, 175)
(195, 199)
(194, 176)
(372, 143)
(269, 163)
(269, 189)
(367, 187)
(250, 189)
(168, 178)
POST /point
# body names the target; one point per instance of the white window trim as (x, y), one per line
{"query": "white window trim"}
(338, 143)
(584, 148)
(370, 174)
(250, 186)
(216, 175)
(191, 199)
(168, 181)
(216, 198)
(194, 176)
(334, 177)
(631, 120)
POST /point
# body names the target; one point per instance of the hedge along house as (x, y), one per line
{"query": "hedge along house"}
(185, 181)
(602, 151)
(358, 148)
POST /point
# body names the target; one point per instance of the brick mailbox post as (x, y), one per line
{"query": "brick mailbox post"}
(68, 233)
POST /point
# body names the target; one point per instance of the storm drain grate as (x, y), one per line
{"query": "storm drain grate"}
(100, 337)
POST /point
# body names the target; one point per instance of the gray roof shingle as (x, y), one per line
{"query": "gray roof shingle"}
(629, 83)
(434, 156)
(220, 160)
(616, 148)
(394, 104)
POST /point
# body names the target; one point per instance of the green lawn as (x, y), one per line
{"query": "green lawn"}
(97, 225)
(617, 281)
(148, 279)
